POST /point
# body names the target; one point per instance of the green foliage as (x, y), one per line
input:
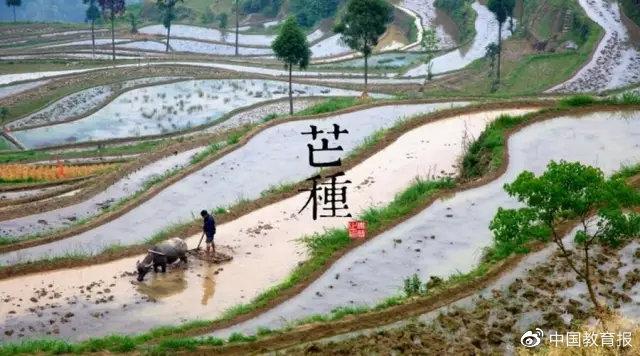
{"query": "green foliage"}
(93, 13)
(234, 138)
(308, 12)
(626, 172)
(430, 46)
(277, 189)
(631, 8)
(211, 149)
(404, 202)
(513, 229)
(263, 331)
(577, 101)
(223, 20)
(329, 105)
(5, 144)
(269, 8)
(291, 46)
(208, 17)
(626, 98)
(269, 117)
(363, 23)
(167, 9)
(568, 190)
(462, 14)
(133, 21)
(486, 153)
(239, 337)
(413, 286)
(503, 9)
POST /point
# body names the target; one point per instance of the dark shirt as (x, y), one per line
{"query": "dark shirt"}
(209, 226)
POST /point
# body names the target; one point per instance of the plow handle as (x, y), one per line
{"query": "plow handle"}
(199, 243)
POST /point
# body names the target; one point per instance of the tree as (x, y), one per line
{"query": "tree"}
(111, 9)
(430, 46)
(363, 23)
(569, 191)
(167, 8)
(223, 19)
(308, 12)
(92, 14)
(292, 48)
(491, 52)
(502, 9)
(133, 21)
(14, 4)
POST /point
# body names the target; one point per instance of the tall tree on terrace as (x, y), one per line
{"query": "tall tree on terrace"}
(292, 48)
(502, 9)
(569, 191)
(362, 25)
(167, 8)
(430, 46)
(92, 14)
(223, 23)
(111, 9)
(14, 4)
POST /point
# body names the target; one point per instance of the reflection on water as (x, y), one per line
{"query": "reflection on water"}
(163, 285)
(208, 284)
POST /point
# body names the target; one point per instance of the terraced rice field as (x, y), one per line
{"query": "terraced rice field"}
(102, 160)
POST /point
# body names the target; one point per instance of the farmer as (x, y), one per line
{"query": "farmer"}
(209, 229)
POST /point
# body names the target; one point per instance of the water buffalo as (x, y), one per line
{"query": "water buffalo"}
(160, 255)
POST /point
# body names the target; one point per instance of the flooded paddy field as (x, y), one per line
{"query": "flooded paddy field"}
(167, 108)
(429, 151)
(266, 155)
(616, 61)
(383, 60)
(127, 186)
(70, 246)
(449, 236)
(213, 34)
(9, 90)
(486, 27)
(541, 292)
(433, 18)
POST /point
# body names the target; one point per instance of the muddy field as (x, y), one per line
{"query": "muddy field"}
(449, 236)
(541, 293)
(270, 231)
(84, 238)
